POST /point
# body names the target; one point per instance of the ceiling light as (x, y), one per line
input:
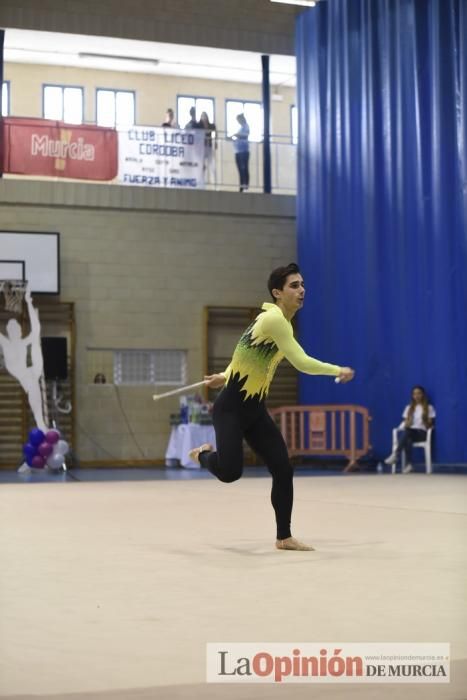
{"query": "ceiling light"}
(113, 57)
(305, 3)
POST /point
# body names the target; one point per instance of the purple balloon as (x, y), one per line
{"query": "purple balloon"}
(36, 436)
(38, 462)
(52, 436)
(29, 450)
(44, 449)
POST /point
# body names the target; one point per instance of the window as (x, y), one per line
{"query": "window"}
(294, 123)
(253, 112)
(201, 104)
(6, 98)
(162, 367)
(115, 108)
(63, 103)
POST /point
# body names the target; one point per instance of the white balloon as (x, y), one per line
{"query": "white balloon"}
(61, 447)
(55, 461)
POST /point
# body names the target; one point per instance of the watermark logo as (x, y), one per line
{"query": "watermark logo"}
(327, 662)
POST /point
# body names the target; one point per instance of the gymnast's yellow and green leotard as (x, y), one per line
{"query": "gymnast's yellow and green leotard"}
(260, 349)
(240, 412)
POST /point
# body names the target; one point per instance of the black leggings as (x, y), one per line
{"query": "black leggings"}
(235, 419)
(406, 438)
(242, 160)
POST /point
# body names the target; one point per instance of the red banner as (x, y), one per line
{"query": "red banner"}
(55, 149)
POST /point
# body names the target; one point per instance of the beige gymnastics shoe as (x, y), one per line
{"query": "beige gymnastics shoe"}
(194, 453)
(292, 543)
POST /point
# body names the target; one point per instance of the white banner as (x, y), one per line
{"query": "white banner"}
(152, 156)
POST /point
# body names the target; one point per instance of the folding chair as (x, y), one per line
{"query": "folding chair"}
(426, 445)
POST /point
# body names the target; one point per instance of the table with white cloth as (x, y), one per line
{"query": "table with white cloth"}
(184, 438)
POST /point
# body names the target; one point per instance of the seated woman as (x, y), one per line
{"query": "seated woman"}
(418, 417)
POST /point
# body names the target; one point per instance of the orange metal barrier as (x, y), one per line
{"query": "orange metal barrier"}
(328, 429)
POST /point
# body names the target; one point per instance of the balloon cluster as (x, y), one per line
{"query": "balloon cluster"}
(45, 449)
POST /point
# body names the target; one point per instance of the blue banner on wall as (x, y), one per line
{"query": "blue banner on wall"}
(382, 207)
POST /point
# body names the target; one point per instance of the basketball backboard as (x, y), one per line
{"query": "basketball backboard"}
(32, 256)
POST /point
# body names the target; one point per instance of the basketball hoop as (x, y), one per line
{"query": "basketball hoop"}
(13, 292)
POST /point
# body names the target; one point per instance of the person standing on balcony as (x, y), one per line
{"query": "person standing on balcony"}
(240, 410)
(170, 121)
(193, 123)
(242, 152)
(210, 145)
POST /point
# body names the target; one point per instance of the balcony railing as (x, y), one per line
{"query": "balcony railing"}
(283, 166)
(44, 149)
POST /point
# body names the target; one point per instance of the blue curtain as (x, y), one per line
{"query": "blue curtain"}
(382, 207)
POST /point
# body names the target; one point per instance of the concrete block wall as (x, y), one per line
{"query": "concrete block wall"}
(141, 266)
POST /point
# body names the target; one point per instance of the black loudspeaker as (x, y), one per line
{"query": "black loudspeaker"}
(54, 352)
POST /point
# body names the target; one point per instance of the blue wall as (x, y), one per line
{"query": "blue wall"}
(382, 207)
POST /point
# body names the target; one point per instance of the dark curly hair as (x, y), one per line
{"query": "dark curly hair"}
(278, 277)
